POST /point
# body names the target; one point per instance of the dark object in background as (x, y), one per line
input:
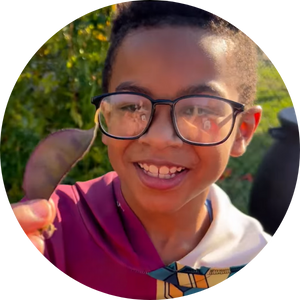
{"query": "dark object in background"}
(275, 181)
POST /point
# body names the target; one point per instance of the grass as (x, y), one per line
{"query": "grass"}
(273, 96)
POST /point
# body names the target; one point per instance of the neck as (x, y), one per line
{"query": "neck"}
(175, 234)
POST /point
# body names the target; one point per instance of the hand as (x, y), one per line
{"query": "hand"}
(34, 216)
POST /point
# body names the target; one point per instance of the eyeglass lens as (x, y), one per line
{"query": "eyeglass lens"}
(198, 119)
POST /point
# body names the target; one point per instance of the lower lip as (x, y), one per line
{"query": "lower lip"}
(160, 183)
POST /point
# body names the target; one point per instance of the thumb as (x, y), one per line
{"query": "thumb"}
(53, 210)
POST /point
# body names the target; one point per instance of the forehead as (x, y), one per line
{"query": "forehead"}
(170, 59)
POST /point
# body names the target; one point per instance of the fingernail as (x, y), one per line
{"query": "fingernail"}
(41, 209)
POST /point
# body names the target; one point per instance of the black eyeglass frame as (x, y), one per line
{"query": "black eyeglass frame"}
(237, 108)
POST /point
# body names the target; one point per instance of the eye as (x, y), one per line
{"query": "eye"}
(197, 111)
(131, 108)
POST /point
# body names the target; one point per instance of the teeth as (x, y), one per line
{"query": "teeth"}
(145, 167)
(167, 176)
(153, 169)
(173, 170)
(162, 176)
(163, 172)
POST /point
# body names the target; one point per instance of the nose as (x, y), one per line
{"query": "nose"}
(161, 133)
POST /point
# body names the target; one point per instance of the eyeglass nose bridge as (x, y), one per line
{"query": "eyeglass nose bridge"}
(168, 102)
(163, 102)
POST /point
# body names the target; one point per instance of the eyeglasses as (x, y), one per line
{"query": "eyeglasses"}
(201, 120)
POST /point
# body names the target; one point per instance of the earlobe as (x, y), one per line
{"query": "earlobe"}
(238, 147)
(248, 123)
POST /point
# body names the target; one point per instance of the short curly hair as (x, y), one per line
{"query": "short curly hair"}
(135, 15)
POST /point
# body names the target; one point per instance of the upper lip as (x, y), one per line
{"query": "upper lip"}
(160, 163)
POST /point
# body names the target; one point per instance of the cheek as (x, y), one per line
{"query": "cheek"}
(116, 150)
(104, 139)
(214, 161)
(115, 157)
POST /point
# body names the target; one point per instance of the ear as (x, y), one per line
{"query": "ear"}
(248, 123)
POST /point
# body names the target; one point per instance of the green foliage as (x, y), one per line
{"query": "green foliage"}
(273, 96)
(54, 92)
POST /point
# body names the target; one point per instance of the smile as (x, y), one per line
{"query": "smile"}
(169, 178)
(162, 172)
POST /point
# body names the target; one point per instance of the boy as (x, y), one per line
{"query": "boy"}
(179, 84)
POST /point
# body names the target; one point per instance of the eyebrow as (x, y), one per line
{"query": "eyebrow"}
(211, 88)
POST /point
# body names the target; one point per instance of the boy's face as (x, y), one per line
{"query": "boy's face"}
(162, 63)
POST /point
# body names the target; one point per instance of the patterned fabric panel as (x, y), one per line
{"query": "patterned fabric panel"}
(181, 282)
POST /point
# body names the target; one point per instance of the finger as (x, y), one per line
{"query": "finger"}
(35, 214)
(38, 242)
(53, 210)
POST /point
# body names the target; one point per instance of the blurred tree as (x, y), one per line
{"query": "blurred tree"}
(54, 92)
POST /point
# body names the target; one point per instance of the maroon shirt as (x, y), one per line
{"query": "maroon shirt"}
(102, 244)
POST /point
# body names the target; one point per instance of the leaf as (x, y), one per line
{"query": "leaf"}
(76, 116)
(53, 158)
(43, 102)
(227, 173)
(247, 177)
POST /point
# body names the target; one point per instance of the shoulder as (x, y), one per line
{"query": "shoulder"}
(70, 197)
(81, 201)
(80, 211)
(226, 212)
(241, 235)
(99, 186)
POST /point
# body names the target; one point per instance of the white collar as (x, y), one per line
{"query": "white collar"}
(233, 238)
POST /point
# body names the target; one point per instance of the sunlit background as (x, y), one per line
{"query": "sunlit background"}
(54, 92)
